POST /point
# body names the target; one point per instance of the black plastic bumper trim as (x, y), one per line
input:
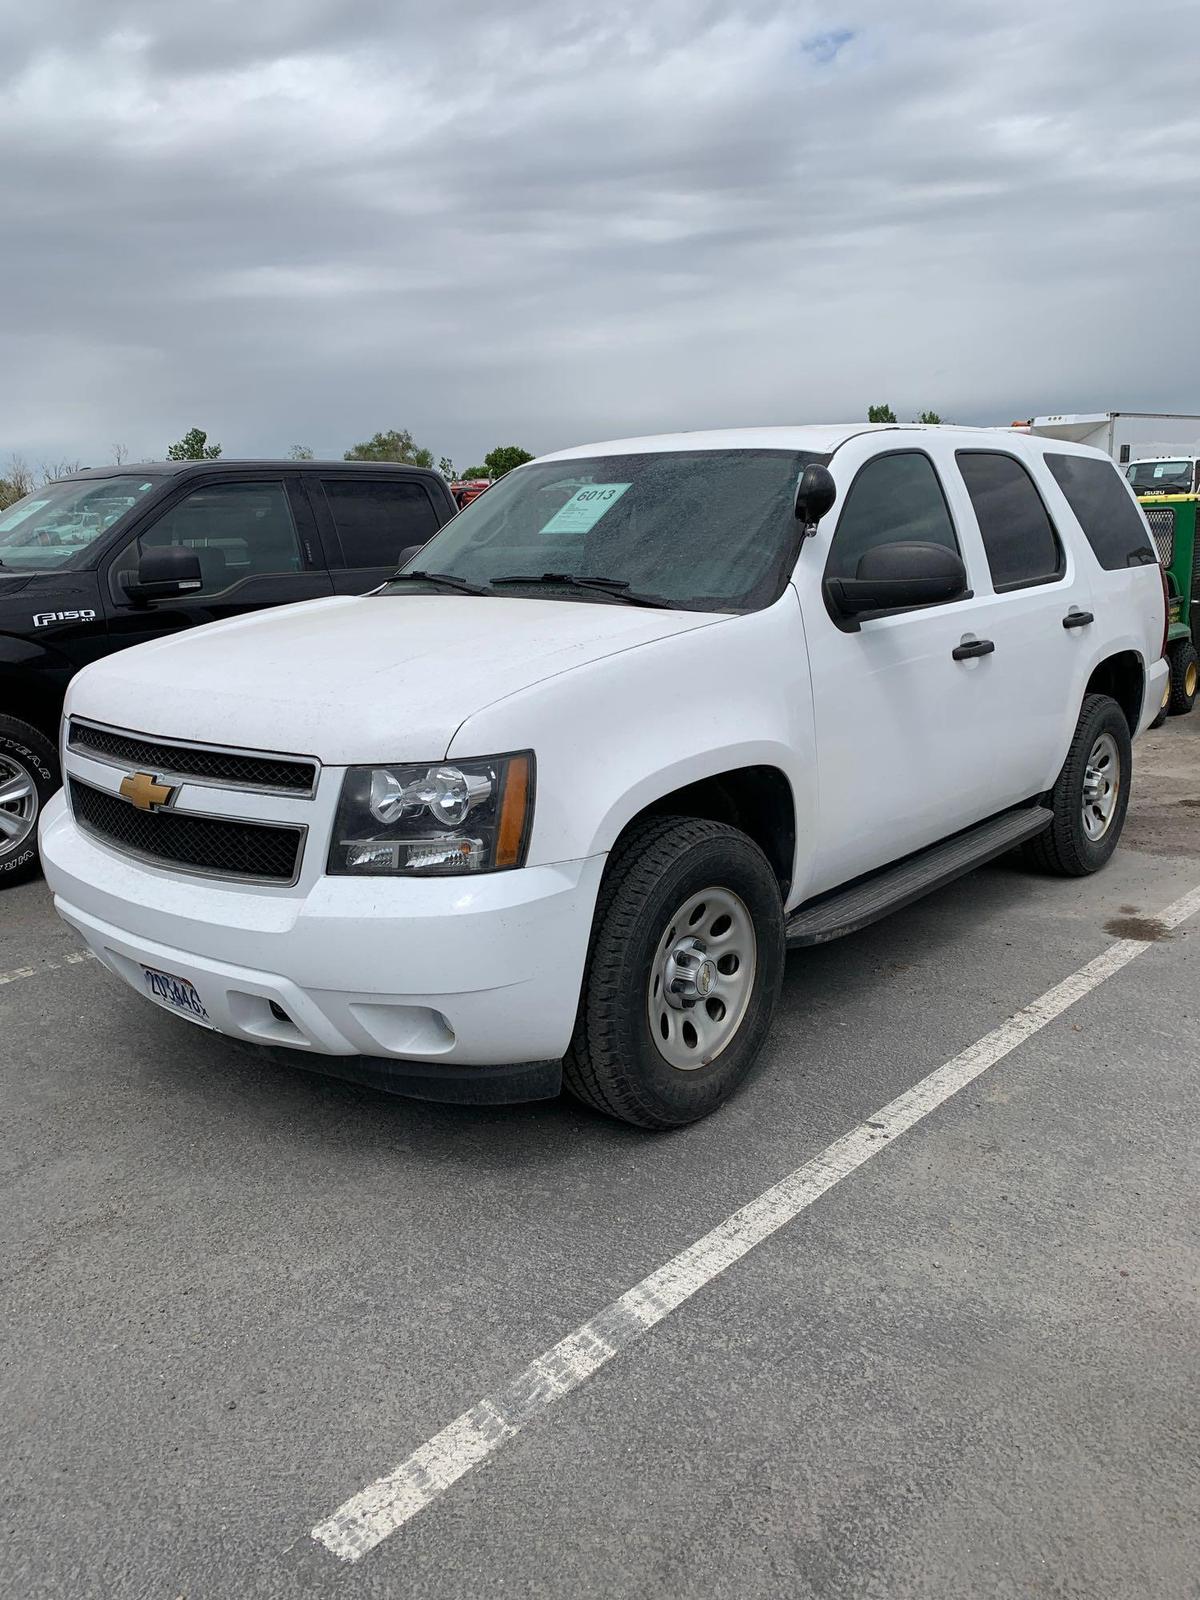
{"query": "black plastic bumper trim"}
(452, 1084)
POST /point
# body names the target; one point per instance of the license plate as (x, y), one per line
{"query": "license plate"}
(177, 994)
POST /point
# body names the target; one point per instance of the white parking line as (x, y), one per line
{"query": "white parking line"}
(387, 1504)
(75, 959)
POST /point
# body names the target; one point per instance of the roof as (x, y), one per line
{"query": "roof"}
(1072, 417)
(170, 469)
(821, 438)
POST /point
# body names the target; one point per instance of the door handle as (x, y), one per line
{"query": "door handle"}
(1077, 619)
(972, 647)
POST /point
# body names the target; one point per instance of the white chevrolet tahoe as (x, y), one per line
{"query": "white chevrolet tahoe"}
(553, 802)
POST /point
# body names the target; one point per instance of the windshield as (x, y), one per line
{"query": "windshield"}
(1161, 477)
(52, 528)
(705, 530)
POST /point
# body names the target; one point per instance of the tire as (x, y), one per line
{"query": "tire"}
(616, 1062)
(1185, 673)
(1067, 848)
(29, 775)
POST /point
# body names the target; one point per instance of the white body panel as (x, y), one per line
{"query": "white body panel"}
(357, 678)
(886, 744)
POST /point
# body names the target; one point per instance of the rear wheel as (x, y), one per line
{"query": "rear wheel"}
(683, 973)
(1185, 677)
(1164, 706)
(1091, 796)
(28, 777)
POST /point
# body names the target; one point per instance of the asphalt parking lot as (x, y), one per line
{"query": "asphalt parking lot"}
(235, 1293)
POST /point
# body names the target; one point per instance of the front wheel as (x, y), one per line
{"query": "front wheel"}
(683, 973)
(1091, 795)
(28, 777)
(1185, 672)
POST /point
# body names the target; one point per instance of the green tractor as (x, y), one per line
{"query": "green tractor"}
(1172, 519)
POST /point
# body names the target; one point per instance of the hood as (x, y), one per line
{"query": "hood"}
(358, 679)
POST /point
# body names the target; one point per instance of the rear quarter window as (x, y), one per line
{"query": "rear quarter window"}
(1103, 509)
(1018, 535)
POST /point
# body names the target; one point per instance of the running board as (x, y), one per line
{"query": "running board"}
(847, 910)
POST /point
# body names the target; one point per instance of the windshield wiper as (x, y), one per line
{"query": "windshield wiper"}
(617, 588)
(446, 579)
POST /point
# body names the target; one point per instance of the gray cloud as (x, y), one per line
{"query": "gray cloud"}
(301, 221)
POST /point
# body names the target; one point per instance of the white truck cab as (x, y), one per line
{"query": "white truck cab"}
(1177, 474)
(553, 802)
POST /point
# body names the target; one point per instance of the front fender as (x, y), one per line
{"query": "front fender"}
(613, 737)
(33, 680)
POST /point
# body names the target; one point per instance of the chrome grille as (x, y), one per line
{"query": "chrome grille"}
(222, 847)
(234, 769)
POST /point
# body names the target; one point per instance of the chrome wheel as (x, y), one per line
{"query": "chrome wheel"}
(1101, 787)
(18, 804)
(701, 978)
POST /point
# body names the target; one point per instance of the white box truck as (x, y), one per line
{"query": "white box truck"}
(1124, 435)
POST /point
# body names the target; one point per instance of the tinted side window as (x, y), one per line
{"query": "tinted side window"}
(238, 530)
(375, 518)
(1018, 535)
(893, 499)
(1103, 509)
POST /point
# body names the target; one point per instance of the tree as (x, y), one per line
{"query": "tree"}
(503, 459)
(16, 483)
(53, 470)
(446, 468)
(397, 444)
(475, 472)
(120, 453)
(300, 452)
(882, 413)
(194, 446)
(930, 417)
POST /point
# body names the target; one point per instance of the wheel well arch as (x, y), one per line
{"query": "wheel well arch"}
(756, 799)
(1123, 678)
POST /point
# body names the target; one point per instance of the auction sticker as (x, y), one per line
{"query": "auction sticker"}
(585, 508)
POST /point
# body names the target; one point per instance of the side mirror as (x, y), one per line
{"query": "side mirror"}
(815, 494)
(893, 577)
(163, 572)
(409, 551)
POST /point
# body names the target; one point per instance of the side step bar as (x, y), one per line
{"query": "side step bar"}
(847, 910)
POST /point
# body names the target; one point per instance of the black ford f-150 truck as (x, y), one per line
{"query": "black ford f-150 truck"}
(117, 556)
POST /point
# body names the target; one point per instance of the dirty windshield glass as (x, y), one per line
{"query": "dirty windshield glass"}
(53, 527)
(705, 530)
(1161, 477)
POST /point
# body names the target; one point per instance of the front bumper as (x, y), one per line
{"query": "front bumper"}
(454, 971)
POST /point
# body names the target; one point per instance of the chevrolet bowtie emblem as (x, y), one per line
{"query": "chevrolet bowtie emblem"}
(145, 792)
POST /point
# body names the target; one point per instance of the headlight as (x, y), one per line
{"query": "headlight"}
(444, 817)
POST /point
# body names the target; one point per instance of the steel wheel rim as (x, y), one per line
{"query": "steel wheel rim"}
(1189, 679)
(1101, 787)
(18, 804)
(701, 978)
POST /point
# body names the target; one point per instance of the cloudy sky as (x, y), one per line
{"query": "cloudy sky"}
(299, 221)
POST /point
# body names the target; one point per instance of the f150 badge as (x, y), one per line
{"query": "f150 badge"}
(43, 619)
